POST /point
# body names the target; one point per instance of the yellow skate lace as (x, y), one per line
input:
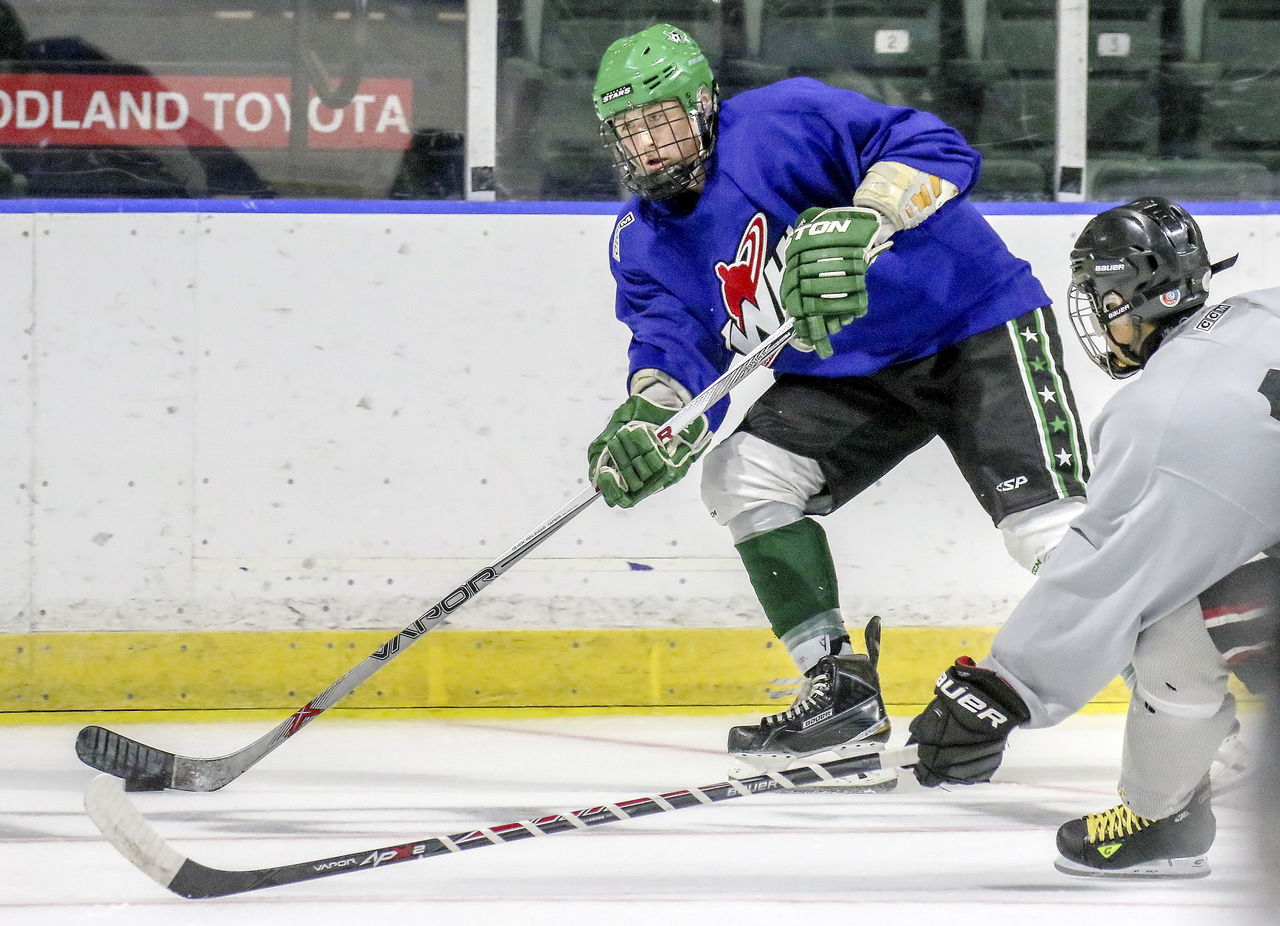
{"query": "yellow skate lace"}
(1114, 823)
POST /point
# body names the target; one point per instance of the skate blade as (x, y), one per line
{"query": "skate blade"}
(758, 763)
(1196, 866)
(746, 765)
(872, 783)
(878, 782)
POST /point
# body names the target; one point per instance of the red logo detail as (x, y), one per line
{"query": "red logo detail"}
(738, 281)
(301, 716)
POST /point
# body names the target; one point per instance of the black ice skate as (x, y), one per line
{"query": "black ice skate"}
(1117, 843)
(840, 711)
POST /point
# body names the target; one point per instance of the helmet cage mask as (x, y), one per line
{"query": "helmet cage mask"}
(655, 66)
(1087, 316)
(620, 132)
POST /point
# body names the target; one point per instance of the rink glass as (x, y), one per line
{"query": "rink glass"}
(218, 98)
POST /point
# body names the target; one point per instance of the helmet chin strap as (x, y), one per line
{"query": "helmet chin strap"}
(1137, 358)
(1138, 354)
(1148, 345)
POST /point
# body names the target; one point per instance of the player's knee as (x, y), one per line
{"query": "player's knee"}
(1193, 695)
(746, 480)
(1176, 668)
(1031, 535)
(1195, 702)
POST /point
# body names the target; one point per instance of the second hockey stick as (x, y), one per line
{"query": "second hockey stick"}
(147, 768)
(135, 838)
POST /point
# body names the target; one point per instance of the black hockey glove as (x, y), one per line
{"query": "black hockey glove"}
(961, 733)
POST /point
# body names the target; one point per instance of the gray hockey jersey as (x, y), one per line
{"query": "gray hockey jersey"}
(1185, 488)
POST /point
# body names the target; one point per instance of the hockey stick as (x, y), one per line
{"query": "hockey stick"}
(135, 838)
(146, 768)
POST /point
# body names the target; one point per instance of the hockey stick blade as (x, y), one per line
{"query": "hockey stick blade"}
(146, 768)
(134, 837)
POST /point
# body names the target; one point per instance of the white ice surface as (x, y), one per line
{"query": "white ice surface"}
(981, 855)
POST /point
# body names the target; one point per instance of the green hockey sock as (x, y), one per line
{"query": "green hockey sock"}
(792, 572)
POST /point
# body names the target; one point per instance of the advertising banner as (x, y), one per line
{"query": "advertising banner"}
(60, 110)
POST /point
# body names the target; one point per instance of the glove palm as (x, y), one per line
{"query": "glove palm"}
(630, 460)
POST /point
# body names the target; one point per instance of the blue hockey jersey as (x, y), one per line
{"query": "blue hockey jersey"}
(696, 287)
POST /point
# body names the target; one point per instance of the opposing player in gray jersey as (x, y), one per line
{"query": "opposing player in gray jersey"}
(1185, 491)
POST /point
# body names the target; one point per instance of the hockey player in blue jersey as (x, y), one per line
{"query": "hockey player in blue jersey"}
(912, 320)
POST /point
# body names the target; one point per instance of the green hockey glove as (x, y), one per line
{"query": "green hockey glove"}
(824, 283)
(629, 461)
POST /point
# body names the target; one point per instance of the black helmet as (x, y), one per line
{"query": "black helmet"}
(1146, 259)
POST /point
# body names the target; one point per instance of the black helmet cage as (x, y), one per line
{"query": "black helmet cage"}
(1149, 256)
(672, 179)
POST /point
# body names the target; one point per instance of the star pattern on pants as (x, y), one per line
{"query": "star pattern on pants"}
(1053, 403)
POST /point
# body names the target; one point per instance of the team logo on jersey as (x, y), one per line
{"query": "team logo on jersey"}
(745, 290)
(1171, 298)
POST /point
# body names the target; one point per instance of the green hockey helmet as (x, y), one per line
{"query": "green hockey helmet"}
(655, 66)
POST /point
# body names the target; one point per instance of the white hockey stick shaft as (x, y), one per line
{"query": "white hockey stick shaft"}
(136, 839)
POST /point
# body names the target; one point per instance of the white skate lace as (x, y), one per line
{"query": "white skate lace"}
(817, 695)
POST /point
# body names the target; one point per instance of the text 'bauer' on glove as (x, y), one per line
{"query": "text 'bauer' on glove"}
(826, 258)
(631, 458)
(961, 734)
